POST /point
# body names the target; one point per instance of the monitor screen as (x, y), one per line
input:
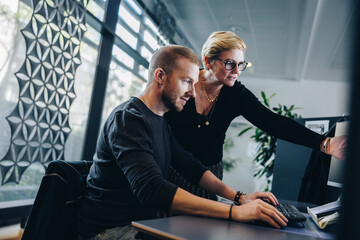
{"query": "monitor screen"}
(335, 178)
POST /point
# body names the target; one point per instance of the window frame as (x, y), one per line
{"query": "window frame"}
(107, 28)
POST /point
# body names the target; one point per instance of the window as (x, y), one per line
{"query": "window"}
(13, 17)
(122, 84)
(93, 36)
(125, 35)
(84, 80)
(151, 40)
(122, 57)
(134, 6)
(145, 52)
(150, 24)
(97, 8)
(127, 77)
(129, 19)
(16, 16)
(143, 72)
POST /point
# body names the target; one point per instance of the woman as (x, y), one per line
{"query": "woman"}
(202, 125)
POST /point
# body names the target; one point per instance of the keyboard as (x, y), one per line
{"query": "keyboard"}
(291, 212)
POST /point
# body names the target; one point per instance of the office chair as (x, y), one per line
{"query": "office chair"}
(54, 213)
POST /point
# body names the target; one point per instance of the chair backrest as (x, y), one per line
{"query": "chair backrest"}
(55, 210)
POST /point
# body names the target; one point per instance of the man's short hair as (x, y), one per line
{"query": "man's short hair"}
(167, 58)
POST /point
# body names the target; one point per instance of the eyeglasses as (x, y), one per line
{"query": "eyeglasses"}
(230, 65)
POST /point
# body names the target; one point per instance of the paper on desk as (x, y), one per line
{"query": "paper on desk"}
(327, 220)
(326, 208)
(324, 215)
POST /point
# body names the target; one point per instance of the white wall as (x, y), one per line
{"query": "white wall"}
(316, 99)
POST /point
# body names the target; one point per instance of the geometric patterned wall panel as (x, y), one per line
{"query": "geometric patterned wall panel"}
(40, 121)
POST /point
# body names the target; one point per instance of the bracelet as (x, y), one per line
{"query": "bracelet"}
(231, 206)
(237, 197)
(324, 146)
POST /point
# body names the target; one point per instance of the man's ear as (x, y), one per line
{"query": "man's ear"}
(160, 76)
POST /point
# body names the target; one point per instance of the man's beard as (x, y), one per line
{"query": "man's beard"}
(169, 98)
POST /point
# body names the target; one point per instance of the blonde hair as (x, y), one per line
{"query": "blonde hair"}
(219, 42)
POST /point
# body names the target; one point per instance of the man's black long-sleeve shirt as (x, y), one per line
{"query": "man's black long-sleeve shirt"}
(128, 180)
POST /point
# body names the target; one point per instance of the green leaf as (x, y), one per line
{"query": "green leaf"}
(228, 164)
(244, 131)
(265, 99)
(266, 148)
(272, 95)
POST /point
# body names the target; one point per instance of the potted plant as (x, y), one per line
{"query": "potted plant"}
(266, 144)
(228, 162)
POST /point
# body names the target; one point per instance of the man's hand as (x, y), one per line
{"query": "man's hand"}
(266, 196)
(259, 210)
(337, 147)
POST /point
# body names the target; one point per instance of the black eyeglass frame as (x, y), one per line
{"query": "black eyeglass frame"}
(233, 64)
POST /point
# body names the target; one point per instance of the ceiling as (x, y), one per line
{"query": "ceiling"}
(286, 39)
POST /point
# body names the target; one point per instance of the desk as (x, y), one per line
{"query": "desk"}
(197, 228)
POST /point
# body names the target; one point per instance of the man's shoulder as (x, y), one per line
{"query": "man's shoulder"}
(133, 112)
(129, 106)
(125, 112)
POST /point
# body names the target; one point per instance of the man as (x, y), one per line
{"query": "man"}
(135, 149)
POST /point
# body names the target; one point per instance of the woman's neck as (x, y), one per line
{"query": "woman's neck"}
(211, 83)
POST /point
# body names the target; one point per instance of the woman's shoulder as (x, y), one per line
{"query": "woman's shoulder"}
(236, 89)
(238, 93)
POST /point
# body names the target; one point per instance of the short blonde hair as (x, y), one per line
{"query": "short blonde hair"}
(219, 42)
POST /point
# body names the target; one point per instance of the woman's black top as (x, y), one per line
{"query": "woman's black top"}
(205, 142)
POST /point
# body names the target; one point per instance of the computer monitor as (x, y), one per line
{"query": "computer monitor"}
(335, 178)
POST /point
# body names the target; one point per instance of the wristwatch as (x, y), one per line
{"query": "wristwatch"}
(237, 197)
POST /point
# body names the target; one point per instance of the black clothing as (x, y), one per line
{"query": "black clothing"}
(54, 212)
(206, 142)
(128, 180)
(177, 178)
(314, 188)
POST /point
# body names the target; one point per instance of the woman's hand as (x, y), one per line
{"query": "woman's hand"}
(337, 147)
(265, 196)
(259, 210)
